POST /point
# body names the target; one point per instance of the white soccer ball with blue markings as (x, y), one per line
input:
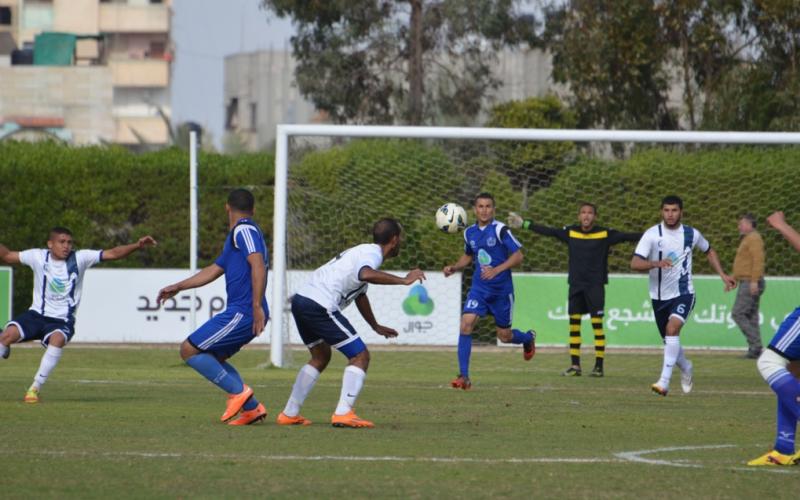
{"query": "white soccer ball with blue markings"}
(451, 218)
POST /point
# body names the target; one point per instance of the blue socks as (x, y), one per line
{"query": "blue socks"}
(251, 403)
(207, 365)
(464, 352)
(788, 391)
(520, 338)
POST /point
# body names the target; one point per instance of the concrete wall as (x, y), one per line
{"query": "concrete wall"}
(82, 96)
(76, 16)
(266, 79)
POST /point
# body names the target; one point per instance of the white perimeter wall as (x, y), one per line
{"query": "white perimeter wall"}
(118, 305)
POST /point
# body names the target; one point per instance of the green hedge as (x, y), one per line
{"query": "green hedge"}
(109, 196)
(716, 185)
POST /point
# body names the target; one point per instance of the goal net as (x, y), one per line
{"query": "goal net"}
(334, 182)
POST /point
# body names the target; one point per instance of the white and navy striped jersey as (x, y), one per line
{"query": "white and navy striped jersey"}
(57, 283)
(335, 285)
(660, 243)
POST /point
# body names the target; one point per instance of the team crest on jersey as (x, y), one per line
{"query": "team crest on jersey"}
(472, 244)
(491, 241)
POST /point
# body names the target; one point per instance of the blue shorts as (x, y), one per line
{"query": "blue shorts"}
(317, 325)
(224, 334)
(499, 305)
(34, 326)
(786, 341)
(680, 307)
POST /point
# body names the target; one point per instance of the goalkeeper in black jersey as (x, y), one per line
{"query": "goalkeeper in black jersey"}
(588, 247)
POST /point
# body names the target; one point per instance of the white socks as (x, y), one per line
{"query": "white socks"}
(352, 382)
(3, 350)
(49, 361)
(306, 378)
(672, 349)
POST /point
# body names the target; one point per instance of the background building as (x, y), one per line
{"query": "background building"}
(260, 91)
(90, 71)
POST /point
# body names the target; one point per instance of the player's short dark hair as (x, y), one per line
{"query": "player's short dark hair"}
(484, 196)
(750, 218)
(58, 230)
(384, 230)
(242, 200)
(672, 200)
(587, 204)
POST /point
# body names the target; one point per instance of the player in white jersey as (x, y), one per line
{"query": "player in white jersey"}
(665, 250)
(317, 307)
(57, 280)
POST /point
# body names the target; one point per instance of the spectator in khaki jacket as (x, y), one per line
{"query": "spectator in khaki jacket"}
(748, 270)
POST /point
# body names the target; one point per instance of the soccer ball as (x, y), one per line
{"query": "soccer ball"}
(451, 218)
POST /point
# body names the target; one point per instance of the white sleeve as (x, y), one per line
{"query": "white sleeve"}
(31, 257)
(700, 241)
(644, 246)
(87, 258)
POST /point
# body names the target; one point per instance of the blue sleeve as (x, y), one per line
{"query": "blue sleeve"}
(511, 243)
(250, 241)
(467, 248)
(220, 260)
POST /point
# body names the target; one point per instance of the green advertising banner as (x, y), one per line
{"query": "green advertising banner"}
(541, 303)
(6, 291)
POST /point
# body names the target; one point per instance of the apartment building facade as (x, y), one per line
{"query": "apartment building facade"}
(106, 79)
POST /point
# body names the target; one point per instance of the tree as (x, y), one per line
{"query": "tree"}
(412, 61)
(611, 54)
(539, 161)
(762, 91)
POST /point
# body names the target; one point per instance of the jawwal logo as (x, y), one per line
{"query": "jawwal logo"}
(418, 302)
(57, 286)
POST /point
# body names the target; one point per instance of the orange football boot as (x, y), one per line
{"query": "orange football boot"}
(235, 403)
(461, 382)
(284, 419)
(248, 417)
(350, 419)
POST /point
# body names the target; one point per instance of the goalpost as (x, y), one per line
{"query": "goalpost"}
(332, 181)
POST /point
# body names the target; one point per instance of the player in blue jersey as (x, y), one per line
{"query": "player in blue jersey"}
(57, 281)
(317, 310)
(784, 348)
(494, 250)
(244, 262)
(665, 250)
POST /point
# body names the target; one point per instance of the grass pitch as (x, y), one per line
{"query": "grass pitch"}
(138, 423)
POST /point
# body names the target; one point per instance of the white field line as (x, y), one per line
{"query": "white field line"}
(308, 458)
(619, 458)
(638, 456)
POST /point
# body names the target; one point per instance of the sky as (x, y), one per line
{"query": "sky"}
(204, 32)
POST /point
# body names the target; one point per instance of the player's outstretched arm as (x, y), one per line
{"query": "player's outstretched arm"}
(381, 278)
(204, 276)
(8, 256)
(615, 237)
(258, 280)
(123, 251)
(778, 221)
(713, 259)
(460, 264)
(640, 264)
(516, 221)
(364, 307)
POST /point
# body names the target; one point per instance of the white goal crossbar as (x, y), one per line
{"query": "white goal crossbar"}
(285, 132)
